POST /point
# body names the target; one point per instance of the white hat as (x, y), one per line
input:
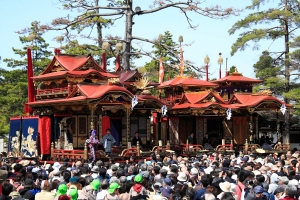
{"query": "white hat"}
(182, 177)
(208, 170)
(269, 165)
(293, 182)
(56, 171)
(260, 160)
(255, 172)
(225, 186)
(56, 165)
(194, 171)
(47, 166)
(234, 177)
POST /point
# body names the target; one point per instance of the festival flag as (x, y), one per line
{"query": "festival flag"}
(181, 66)
(161, 72)
(118, 63)
(44, 129)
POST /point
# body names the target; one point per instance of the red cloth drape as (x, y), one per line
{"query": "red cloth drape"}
(45, 134)
(105, 124)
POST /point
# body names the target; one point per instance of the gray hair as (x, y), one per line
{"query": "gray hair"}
(291, 191)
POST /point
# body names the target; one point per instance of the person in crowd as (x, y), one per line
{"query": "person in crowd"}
(254, 139)
(191, 138)
(207, 142)
(108, 141)
(45, 193)
(265, 141)
(136, 139)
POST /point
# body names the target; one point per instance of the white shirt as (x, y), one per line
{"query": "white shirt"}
(101, 195)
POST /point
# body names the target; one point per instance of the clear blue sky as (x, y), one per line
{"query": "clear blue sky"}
(211, 36)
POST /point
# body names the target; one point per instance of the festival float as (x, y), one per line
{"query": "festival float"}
(74, 100)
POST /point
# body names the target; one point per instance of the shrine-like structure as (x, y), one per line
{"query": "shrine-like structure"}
(75, 95)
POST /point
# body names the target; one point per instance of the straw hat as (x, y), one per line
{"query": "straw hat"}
(225, 186)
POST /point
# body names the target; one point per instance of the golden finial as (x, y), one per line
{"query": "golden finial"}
(220, 59)
(105, 46)
(206, 60)
(119, 46)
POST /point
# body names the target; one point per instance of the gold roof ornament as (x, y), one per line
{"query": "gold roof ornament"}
(142, 83)
(206, 60)
(266, 92)
(105, 46)
(119, 46)
(113, 80)
(220, 59)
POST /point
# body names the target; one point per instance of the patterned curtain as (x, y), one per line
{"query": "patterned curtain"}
(173, 130)
(29, 144)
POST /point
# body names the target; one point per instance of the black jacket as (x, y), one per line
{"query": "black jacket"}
(134, 141)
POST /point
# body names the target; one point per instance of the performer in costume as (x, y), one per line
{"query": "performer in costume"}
(108, 141)
(93, 143)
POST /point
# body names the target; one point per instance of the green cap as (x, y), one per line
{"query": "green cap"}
(138, 178)
(73, 194)
(95, 184)
(112, 187)
(62, 189)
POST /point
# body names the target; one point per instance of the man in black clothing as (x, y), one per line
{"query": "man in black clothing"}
(207, 142)
(191, 139)
(135, 139)
(265, 139)
(254, 139)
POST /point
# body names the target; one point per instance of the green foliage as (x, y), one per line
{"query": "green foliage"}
(294, 95)
(13, 83)
(232, 69)
(267, 24)
(13, 95)
(32, 37)
(270, 71)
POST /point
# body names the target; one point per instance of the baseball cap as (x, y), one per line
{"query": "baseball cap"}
(168, 181)
(258, 190)
(74, 180)
(73, 193)
(62, 189)
(95, 184)
(138, 178)
(112, 187)
(28, 182)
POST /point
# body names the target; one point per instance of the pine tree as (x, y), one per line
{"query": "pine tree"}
(275, 23)
(31, 37)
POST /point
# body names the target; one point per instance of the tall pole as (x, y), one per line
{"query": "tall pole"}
(287, 74)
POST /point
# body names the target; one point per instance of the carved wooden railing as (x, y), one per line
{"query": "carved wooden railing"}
(53, 91)
(282, 147)
(61, 153)
(224, 147)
